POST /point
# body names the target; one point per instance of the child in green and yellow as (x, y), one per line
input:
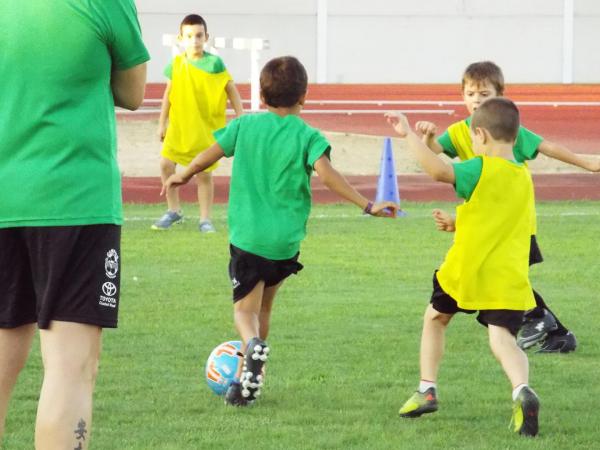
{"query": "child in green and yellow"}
(486, 270)
(194, 104)
(483, 80)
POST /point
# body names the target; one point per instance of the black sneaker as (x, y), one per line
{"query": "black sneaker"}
(251, 379)
(535, 329)
(526, 409)
(555, 343)
(233, 396)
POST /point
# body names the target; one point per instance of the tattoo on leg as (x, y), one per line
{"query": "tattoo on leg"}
(80, 433)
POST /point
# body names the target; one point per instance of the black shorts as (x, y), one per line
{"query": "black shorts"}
(506, 318)
(247, 269)
(66, 273)
(535, 254)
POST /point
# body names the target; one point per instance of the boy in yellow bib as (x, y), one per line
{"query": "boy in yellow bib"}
(194, 104)
(483, 80)
(486, 270)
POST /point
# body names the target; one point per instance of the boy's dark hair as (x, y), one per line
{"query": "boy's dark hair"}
(283, 81)
(193, 19)
(481, 71)
(499, 116)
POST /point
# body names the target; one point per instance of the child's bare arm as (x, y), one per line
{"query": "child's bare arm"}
(234, 98)
(428, 130)
(562, 153)
(201, 162)
(443, 220)
(434, 166)
(338, 184)
(164, 113)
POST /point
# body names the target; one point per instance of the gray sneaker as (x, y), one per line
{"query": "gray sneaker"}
(168, 219)
(206, 226)
(535, 329)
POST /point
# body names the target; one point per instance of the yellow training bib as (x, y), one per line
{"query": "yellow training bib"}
(487, 266)
(460, 135)
(198, 103)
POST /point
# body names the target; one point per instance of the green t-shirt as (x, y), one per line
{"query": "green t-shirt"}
(270, 196)
(209, 63)
(58, 163)
(467, 174)
(526, 145)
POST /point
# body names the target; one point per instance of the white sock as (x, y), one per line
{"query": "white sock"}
(424, 385)
(516, 391)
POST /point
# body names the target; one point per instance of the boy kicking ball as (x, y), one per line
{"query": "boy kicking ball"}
(269, 204)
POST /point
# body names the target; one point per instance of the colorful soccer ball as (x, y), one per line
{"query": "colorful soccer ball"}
(222, 366)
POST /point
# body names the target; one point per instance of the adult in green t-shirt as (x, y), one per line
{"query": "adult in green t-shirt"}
(274, 154)
(64, 65)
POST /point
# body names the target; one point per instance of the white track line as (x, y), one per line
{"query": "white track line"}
(314, 111)
(417, 102)
(359, 216)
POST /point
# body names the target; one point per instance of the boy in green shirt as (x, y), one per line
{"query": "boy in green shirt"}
(269, 204)
(483, 80)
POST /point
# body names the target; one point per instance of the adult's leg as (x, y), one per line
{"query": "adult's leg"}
(70, 353)
(206, 191)
(167, 168)
(432, 342)
(14, 350)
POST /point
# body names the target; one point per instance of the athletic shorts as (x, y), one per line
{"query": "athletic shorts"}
(506, 318)
(247, 269)
(535, 254)
(66, 273)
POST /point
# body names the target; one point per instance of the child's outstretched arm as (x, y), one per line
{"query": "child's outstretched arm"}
(443, 220)
(434, 166)
(562, 153)
(164, 113)
(338, 184)
(234, 98)
(201, 162)
(428, 130)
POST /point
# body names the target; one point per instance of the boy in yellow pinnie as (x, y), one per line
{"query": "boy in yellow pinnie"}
(487, 268)
(194, 105)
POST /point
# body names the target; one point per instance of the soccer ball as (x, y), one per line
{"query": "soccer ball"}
(222, 365)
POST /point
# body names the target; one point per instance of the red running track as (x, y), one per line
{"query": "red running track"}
(577, 127)
(416, 187)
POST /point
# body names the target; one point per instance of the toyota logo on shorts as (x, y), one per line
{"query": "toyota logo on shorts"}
(109, 289)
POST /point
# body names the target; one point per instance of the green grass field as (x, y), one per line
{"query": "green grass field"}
(344, 341)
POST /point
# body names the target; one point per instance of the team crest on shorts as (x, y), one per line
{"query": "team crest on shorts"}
(111, 263)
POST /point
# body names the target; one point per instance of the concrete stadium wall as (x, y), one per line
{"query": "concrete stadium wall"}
(380, 41)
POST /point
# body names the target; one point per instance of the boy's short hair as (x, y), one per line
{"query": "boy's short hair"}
(283, 81)
(193, 19)
(481, 71)
(500, 116)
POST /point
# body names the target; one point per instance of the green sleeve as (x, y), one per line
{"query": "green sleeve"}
(446, 143)
(227, 137)
(219, 65)
(317, 147)
(467, 174)
(526, 146)
(124, 35)
(168, 72)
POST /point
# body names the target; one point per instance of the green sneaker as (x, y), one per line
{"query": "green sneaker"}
(526, 409)
(420, 403)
